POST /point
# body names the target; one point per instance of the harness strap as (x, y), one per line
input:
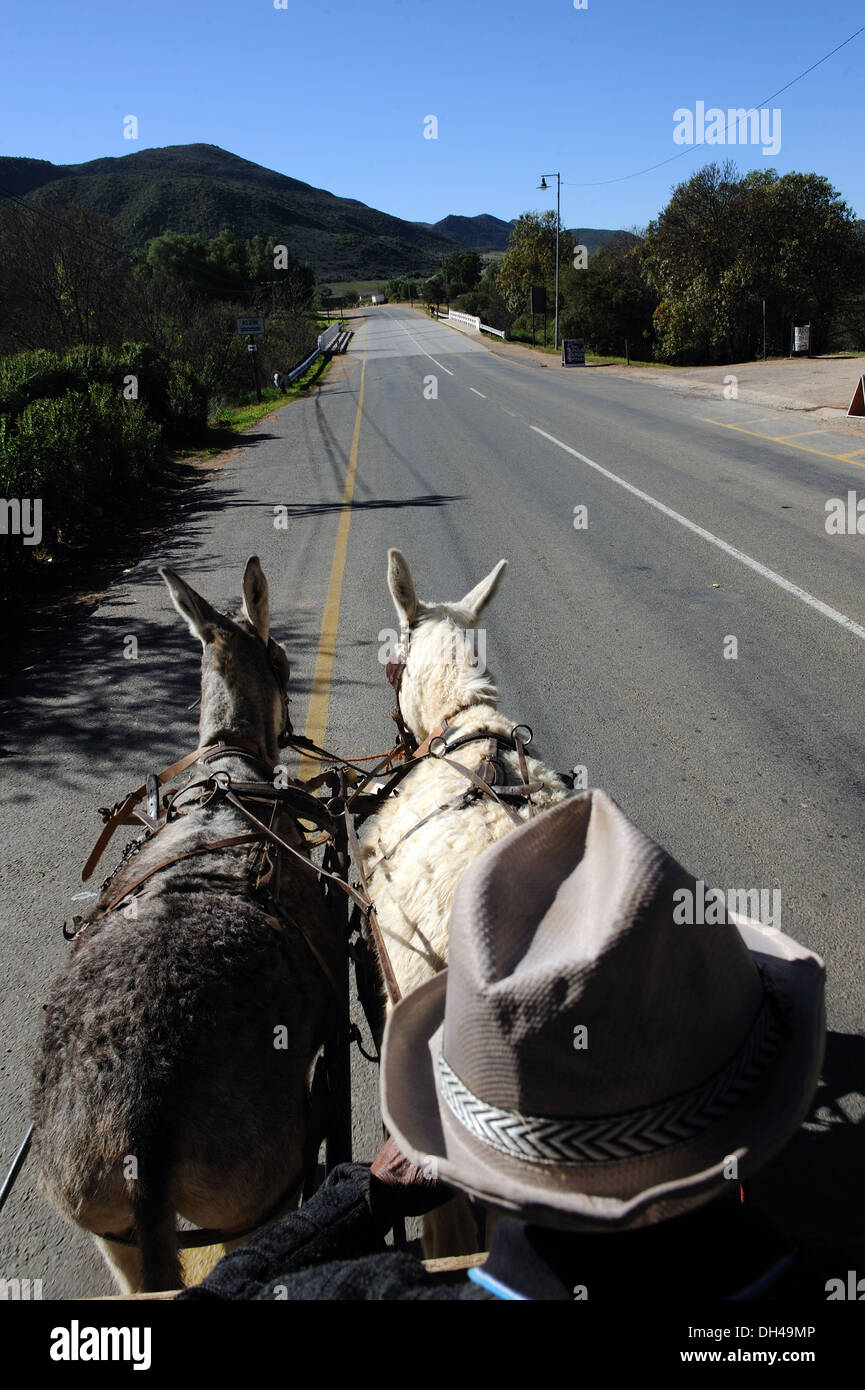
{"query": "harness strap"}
(272, 835)
(370, 802)
(230, 842)
(209, 848)
(124, 812)
(387, 970)
(293, 798)
(485, 787)
(310, 749)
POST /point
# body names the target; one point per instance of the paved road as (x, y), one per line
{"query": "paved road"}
(608, 640)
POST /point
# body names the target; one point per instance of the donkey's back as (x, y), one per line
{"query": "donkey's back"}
(178, 1039)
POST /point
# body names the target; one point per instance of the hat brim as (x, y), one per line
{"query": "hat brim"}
(621, 1194)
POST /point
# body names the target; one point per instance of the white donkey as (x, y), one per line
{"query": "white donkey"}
(413, 873)
(415, 848)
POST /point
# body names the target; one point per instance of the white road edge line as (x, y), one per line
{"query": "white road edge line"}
(739, 555)
(478, 393)
(424, 351)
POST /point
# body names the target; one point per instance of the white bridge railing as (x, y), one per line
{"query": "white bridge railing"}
(467, 320)
(471, 321)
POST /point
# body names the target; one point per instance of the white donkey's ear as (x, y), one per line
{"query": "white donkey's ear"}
(401, 586)
(256, 597)
(201, 617)
(476, 600)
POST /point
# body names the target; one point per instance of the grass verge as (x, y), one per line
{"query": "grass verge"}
(232, 421)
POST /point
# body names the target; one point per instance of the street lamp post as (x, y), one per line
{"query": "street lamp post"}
(543, 185)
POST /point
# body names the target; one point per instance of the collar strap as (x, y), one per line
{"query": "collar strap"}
(124, 812)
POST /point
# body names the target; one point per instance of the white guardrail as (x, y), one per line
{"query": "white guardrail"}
(325, 340)
(472, 321)
(468, 320)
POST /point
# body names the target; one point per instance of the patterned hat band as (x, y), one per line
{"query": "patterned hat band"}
(637, 1134)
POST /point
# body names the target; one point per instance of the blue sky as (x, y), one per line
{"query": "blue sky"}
(336, 93)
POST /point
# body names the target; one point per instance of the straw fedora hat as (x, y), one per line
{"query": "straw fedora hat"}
(586, 1061)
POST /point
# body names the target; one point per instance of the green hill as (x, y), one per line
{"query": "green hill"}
(202, 188)
(482, 233)
(593, 237)
(487, 233)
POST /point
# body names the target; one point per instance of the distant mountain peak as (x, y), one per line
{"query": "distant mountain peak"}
(202, 188)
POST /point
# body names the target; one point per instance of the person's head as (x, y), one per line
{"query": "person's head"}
(603, 1052)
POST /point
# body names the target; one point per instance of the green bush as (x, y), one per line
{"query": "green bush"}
(27, 377)
(87, 455)
(171, 392)
(187, 401)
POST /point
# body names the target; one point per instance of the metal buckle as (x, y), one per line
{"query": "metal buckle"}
(438, 747)
(526, 738)
(220, 782)
(152, 786)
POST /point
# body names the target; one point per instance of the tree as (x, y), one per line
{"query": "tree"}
(461, 271)
(610, 302)
(724, 243)
(63, 279)
(530, 258)
(487, 301)
(435, 290)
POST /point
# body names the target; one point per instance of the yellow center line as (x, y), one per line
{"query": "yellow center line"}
(319, 700)
(797, 434)
(784, 439)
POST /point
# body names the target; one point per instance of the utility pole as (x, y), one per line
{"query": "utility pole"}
(252, 349)
(543, 185)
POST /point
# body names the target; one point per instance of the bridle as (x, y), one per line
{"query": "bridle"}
(395, 670)
(287, 731)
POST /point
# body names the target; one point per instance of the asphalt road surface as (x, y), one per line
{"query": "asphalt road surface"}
(609, 640)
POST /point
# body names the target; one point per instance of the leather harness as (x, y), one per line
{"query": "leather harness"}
(486, 779)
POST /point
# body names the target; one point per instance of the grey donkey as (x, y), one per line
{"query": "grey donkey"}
(179, 1037)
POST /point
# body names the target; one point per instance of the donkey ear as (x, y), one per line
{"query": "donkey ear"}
(256, 597)
(477, 598)
(202, 619)
(401, 586)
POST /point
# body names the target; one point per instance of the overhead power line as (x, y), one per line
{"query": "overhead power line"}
(623, 178)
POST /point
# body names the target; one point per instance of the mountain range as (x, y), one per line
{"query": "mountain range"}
(202, 188)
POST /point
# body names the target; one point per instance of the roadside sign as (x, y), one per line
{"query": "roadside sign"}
(573, 352)
(802, 338)
(250, 325)
(857, 405)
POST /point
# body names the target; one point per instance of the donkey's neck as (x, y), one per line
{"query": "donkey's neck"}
(243, 713)
(241, 766)
(484, 716)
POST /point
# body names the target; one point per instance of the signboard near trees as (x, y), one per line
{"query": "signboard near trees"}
(802, 338)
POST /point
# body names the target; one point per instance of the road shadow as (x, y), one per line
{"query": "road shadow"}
(813, 1189)
(434, 499)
